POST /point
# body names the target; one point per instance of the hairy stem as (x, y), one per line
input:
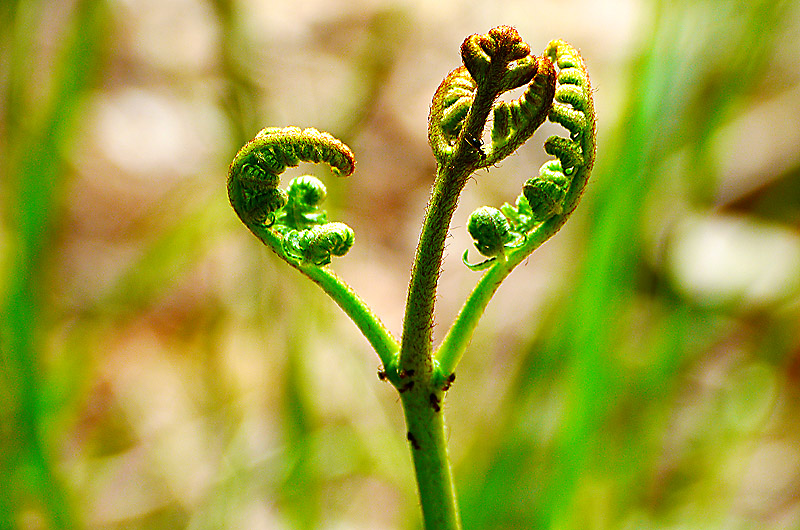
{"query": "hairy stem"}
(415, 354)
(425, 422)
(451, 178)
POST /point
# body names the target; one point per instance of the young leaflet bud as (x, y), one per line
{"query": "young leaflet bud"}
(490, 230)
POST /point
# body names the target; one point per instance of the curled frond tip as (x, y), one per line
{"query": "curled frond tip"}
(494, 63)
(297, 228)
(254, 174)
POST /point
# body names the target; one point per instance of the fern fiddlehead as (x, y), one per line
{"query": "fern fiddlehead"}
(493, 63)
(317, 244)
(493, 234)
(574, 110)
(555, 191)
(547, 199)
(304, 196)
(497, 62)
(290, 221)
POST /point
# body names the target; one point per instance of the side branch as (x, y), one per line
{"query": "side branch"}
(547, 200)
(343, 295)
(291, 222)
(493, 63)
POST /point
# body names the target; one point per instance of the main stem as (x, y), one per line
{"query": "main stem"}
(415, 353)
(451, 177)
(426, 437)
(421, 400)
(421, 397)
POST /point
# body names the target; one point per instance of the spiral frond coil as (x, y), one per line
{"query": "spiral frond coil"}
(560, 183)
(494, 63)
(501, 50)
(515, 122)
(292, 215)
(546, 192)
(305, 195)
(492, 234)
(561, 78)
(316, 245)
(451, 104)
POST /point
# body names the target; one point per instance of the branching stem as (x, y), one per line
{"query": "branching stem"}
(359, 312)
(290, 222)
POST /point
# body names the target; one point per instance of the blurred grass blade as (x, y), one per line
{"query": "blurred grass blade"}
(35, 165)
(690, 74)
(661, 113)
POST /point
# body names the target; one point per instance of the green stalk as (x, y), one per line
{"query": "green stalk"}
(451, 177)
(415, 354)
(424, 419)
(426, 384)
(431, 462)
(353, 305)
(420, 398)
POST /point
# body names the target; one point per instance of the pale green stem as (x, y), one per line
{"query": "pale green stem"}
(426, 435)
(367, 322)
(460, 333)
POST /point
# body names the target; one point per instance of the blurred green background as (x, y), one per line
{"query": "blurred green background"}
(160, 369)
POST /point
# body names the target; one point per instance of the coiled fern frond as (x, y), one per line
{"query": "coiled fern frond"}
(497, 62)
(556, 190)
(290, 221)
(574, 110)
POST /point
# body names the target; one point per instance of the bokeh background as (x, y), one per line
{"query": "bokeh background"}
(160, 369)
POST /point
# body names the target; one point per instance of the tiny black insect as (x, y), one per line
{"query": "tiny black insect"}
(407, 386)
(434, 402)
(382, 375)
(477, 144)
(450, 379)
(413, 440)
